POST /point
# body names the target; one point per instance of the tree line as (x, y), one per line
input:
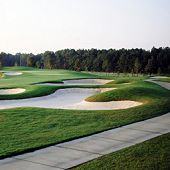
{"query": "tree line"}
(135, 61)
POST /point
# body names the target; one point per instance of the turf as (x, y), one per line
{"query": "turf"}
(32, 76)
(27, 129)
(153, 154)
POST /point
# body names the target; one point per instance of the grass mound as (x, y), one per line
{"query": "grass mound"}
(136, 92)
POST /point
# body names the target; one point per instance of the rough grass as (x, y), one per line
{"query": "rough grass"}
(153, 154)
(1, 75)
(27, 129)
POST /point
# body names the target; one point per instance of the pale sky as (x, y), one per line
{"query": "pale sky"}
(39, 25)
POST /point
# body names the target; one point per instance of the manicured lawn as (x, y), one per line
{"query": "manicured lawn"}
(31, 76)
(26, 129)
(153, 154)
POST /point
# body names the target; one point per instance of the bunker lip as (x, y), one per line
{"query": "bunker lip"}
(13, 73)
(80, 82)
(112, 105)
(70, 98)
(11, 91)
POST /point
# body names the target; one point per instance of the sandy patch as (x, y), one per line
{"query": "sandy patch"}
(11, 91)
(112, 105)
(87, 81)
(72, 98)
(80, 82)
(126, 83)
(13, 73)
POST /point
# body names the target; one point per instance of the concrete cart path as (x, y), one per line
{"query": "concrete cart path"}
(160, 83)
(69, 154)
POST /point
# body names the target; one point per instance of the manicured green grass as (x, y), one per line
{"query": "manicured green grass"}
(31, 91)
(150, 155)
(32, 76)
(1, 75)
(26, 129)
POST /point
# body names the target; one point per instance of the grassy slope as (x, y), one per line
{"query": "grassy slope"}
(31, 76)
(153, 154)
(50, 126)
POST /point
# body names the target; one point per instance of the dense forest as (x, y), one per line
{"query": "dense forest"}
(157, 60)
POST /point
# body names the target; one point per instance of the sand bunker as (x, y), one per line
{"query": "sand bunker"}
(112, 105)
(87, 81)
(72, 98)
(81, 82)
(11, 91)
(13, 73)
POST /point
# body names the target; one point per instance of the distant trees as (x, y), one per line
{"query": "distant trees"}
(1, 61)
(137, 66)
(49, 59)
(31, 61)
(133, 61)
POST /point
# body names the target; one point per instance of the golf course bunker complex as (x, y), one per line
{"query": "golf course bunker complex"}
(13, 73)
(11, 91)
(71, 98)
(81, 82)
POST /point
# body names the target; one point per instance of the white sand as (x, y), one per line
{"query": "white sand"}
(87, 81)
(80, 82)
(112, 105)
(72, 98)
(11, 91)
(13, 73)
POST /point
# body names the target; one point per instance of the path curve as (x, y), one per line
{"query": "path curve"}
(166, 85)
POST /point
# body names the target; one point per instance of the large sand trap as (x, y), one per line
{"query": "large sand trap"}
(81, 82)
(112, 105)
(11, 91)
(87, 81)
(13, 73)
(72, 98)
